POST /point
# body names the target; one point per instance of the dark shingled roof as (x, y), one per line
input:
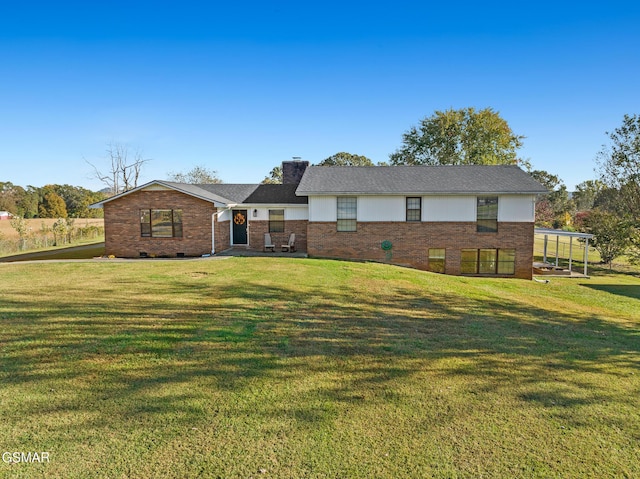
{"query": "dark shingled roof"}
(256, 194)
(418, 180)
(226, 193)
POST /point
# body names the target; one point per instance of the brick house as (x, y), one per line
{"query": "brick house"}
(460, 220)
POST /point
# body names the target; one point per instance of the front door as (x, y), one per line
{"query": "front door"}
(239, 226)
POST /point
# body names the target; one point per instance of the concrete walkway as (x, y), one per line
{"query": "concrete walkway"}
(247, 252)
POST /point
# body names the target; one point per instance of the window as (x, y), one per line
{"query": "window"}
(469, 261)
(488, 261)
(506, 261)
(161, 223)
(276, 221)
(414, 209)
(436, 260)
(347, 213)
(487, 214)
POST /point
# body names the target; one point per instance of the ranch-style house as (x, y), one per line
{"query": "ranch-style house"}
(460, 220)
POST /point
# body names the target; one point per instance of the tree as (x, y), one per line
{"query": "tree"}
(459, 137)
(52, 204)
(586, 193)
(611, 236)
(274, 178)
(346, 159)
(619, 164)
(555, 207)
(198, 175)
(77, 200)
(20, 225)
(124, 170)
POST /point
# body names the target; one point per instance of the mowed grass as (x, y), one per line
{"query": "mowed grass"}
(291, 368)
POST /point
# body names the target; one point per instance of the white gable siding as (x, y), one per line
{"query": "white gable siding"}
(514, 208)
(381, 208)
(449, 208)
(155, 187)
(323, 208)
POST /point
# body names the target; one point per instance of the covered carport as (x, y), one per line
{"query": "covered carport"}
(546, 233)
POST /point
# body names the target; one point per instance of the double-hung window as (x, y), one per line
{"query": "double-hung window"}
(161, 223)
(487, 214)
(347, 213)
(276, 221)
(414, 209)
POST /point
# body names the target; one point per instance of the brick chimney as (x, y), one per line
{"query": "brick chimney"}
(292, 171)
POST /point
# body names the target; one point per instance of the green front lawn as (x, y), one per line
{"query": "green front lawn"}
(285, 368)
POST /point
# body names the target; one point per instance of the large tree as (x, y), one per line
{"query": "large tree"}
(611, 236)
(586, 193)
(459, 137)
(346, 159)
(51, 204)
(124, 168)
(619, 163)
(198, 175)
(275, 176)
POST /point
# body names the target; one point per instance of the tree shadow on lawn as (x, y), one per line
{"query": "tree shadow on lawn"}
(628, 290)
(130, 358)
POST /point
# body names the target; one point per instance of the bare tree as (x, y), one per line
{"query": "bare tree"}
(124, 170)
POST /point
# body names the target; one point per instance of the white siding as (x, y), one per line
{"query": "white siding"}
(449, 208)
(225, 216)
(291, 214)
(155, 187)
(514, 208)
(381, 208)
(322, 208)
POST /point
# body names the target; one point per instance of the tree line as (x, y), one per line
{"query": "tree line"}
(50, 201)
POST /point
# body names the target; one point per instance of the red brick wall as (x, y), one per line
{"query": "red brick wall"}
(122, 225)
(257, 229)
(223, 234)
(411, 242)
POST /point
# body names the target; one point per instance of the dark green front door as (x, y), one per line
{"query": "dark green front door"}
(239, 226)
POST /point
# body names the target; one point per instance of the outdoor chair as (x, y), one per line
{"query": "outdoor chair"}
(268, 244)
(291, 245)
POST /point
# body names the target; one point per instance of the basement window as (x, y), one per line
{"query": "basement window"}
(488, 261)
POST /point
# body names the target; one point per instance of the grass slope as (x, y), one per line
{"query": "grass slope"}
(263, 367)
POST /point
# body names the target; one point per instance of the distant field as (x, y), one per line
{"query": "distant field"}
(303, 368)
(7, 232)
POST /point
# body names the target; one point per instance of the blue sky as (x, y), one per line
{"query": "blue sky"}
(241, 86)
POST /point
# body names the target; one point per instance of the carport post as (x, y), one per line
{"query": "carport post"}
(544, 254)
(570, 252)
(586, 255)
